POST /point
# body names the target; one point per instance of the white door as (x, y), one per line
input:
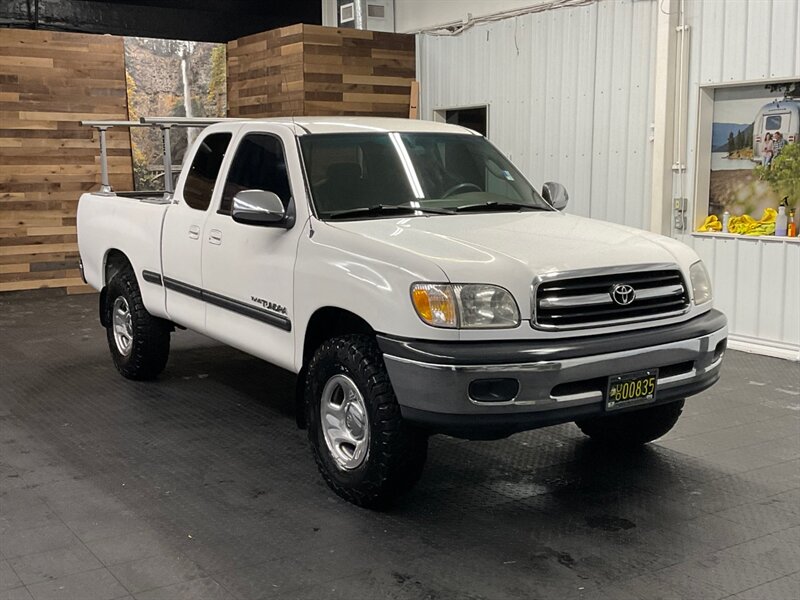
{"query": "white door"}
(248, 269)
(183, 234)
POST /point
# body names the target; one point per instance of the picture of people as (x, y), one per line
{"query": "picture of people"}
(754, 150)
(766, 151)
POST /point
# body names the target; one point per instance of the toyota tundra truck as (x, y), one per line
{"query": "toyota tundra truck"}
(416, 283)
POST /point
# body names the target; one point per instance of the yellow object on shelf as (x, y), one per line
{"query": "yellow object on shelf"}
(747, 225)
(712, 223)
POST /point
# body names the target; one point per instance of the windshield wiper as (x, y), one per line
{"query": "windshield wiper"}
(379, 209)
(495, 206)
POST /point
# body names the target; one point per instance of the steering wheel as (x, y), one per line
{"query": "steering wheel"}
(457, 187)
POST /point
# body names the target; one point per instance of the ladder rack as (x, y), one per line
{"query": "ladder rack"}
(163, 123)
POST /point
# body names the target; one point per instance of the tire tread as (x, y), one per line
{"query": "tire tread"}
(396, 461)
(151, 335)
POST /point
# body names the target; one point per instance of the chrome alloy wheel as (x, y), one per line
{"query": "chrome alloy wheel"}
(123, 327)
(345, 424)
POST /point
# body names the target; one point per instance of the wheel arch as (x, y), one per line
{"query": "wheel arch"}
(114, 261)
(325, 323)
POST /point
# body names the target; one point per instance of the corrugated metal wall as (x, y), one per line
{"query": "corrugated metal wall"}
(569, 94)
(757, 285)
(738, 40)
(757, 282)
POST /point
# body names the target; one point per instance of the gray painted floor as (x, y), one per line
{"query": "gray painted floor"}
(200, 486)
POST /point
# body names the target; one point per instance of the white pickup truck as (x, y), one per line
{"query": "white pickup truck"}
(415, 282)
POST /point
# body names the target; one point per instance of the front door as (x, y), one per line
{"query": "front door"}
(183, 234)
(248, 269)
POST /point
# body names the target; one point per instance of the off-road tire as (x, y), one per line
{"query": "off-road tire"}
(633, 428)
(396, 451)
(151, 335)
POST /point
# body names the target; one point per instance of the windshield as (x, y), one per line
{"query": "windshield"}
(370, 175)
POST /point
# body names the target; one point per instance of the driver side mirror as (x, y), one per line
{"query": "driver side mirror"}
(555, 194)
(257, 207)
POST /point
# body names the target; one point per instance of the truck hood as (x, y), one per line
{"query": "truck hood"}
(510, 248)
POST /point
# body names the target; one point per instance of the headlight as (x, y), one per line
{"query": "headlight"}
(701, 283)
(467, 306)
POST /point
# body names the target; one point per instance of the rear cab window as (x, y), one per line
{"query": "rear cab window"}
(203, 172)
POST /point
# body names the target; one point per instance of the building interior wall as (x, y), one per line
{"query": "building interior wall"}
(756, 280)
(570, 96)
(49, 81)
(314, 70)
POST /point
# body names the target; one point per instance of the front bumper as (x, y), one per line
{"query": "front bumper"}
(558, 381)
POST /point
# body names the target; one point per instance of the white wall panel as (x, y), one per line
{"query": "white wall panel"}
(756, 281)
(570, 96)
(757, 285)
(414, 15)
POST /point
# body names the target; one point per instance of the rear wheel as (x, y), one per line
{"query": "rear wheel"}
(138, 341)
(633, 428)
(364, 449)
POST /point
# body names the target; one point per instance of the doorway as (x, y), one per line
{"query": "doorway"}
(471, 117)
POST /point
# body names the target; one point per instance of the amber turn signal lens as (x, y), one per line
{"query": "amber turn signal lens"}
(435, 304)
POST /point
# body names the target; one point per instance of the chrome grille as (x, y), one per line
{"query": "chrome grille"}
(582, 299)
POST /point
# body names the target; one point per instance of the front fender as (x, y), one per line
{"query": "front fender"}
(339, 269)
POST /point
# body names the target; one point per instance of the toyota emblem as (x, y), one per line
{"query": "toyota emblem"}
(623, 294)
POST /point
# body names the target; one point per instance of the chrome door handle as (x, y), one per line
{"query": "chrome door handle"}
(194, 232)
(215, 237)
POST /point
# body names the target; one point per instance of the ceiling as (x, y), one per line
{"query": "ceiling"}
(200, 20)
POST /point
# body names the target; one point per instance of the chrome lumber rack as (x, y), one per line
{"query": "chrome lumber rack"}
(163, 123)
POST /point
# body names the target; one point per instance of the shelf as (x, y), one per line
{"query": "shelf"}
(749, 238)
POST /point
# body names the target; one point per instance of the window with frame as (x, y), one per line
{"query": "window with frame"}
(203, 172)
(772, 122)
(259, 164)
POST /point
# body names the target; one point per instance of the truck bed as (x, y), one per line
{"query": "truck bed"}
(127, 222)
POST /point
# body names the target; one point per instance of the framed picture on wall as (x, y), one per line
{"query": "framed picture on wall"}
(748, 157)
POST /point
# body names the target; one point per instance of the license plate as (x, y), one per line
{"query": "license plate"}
(631, 389)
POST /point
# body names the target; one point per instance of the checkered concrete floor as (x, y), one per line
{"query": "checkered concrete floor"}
(200, 486)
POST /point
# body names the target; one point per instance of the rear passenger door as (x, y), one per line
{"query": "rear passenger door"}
(181, 246)
(248, 269)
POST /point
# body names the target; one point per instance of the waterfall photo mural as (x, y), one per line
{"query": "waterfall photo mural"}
(170, 78)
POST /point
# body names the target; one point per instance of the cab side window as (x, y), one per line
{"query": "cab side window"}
(259, 164)
(204, 170)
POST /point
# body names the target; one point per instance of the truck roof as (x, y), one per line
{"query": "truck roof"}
(364, 125)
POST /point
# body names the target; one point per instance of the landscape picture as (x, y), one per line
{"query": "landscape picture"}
(752, 130)
(170, 78)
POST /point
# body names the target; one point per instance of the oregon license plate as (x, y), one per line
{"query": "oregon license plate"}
(630, 389)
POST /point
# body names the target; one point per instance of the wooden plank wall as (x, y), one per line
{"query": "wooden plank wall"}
(48, 82)
(265, 74)
(314, 70)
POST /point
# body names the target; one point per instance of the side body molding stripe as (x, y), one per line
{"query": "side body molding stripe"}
(151, 277)
(183, 288)
(230, 304)
(248, 311)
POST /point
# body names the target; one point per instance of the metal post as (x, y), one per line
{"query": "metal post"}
(105, 184)
(168, 187)
(360, 9)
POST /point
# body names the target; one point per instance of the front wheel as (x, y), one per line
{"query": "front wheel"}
(633, 428)
(138, 341)
(364, 449)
